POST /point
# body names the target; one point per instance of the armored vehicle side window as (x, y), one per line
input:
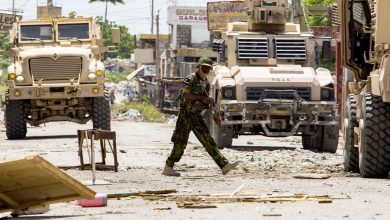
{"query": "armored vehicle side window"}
(358, 14)
(35, 32)
(73, 31)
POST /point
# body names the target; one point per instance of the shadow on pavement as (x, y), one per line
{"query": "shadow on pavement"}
(41, 217)
(260, 148)
(50, 137)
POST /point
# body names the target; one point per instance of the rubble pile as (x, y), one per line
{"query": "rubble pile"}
(130, 115)
(287, 162)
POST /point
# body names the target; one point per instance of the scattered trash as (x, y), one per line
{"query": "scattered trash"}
(99, 201)
(144, 193)
(36, 210)
(202, 201)
(172, 119)
(272, 215)
(312, 176)
(188, 205)
(238, 189)
(249, 142)
(325, 201)
(163, 208)
(255, 158)
(131, 114)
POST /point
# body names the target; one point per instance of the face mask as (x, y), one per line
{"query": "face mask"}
(203, 71)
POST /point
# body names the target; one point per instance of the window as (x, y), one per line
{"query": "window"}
(73, 31)
(358, 14)
(35, 32)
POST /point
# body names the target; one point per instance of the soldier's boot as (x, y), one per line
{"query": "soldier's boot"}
(169, 171)
(229, 166)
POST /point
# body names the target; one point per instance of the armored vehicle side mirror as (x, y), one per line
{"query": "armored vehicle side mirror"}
(116, 35)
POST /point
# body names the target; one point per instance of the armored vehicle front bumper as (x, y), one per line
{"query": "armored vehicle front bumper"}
(268, 112)
(55, 91)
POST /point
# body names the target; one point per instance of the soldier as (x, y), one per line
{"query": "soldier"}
(193, 101)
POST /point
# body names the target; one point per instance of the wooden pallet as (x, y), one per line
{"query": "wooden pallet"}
(33, 181)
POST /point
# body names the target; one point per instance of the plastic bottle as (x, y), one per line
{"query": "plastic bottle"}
(99, 201)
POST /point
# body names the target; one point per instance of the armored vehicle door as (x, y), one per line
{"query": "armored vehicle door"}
(356, 36)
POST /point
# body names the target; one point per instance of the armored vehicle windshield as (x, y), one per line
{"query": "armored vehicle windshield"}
(36, 32)
(73, 31)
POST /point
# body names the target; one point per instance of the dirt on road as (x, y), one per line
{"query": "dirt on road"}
(269, 168)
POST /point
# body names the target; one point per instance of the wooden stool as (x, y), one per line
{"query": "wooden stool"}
(102, 136)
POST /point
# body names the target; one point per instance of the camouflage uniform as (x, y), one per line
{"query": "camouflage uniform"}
(190, 119)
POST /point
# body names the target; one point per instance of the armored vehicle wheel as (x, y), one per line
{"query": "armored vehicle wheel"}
(351, 153)
(374, 125)
(223, 135)
(14, 120)
(321, 138)
(311, 139)
(329, 139)
(101, 113)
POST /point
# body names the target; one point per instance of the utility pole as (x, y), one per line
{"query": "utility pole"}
(13, 7)
(151, 30)
(158, 45)
(159, 91)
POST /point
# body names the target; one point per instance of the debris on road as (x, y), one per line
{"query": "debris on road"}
(143, 193)
(312, 176)
(272, 215)
(100, 200)
(130, 115)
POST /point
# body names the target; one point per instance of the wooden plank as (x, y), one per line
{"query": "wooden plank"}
(9, 201)
(63, 177)
(33, 181)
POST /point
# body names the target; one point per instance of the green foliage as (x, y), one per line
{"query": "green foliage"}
(319, 2)
(327, 64)
(148, 111)
(4, 45)
(116, 77)
(126, 45)
(318, 21)
(4, 41)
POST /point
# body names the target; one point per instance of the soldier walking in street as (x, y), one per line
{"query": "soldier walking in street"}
(193, 101)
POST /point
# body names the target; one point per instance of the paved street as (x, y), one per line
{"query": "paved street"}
(268, 167)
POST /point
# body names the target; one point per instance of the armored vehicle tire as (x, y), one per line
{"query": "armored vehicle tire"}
(329, 139)
(223, 135)
(322, 138)
(14, 120)
(374, 125)
(351, 153)
(101, 113)
(311, 140)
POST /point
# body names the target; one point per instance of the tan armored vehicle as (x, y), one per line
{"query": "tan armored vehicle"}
(266, 84)
(56, 74)
(366, 43)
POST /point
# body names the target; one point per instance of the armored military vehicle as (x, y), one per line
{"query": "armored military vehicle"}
(56, 74)
(266, 83)
(366, 42)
